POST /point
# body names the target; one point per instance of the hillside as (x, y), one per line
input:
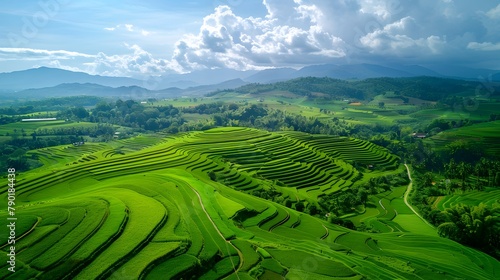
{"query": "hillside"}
(192, 206)
(427, 88)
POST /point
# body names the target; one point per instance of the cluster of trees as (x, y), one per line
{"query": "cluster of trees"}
(475, 226)
(439, 125)
(306, 86)
(484, 170)
(129, 113)
(8, 119)
(259, 116)
(50, 104)
(13, 153)
(211, 108)
(95, 131)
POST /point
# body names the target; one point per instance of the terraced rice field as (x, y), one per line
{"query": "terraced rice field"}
(486, 134)
(488, 197)
(156, 214)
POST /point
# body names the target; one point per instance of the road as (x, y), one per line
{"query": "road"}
(407, 193)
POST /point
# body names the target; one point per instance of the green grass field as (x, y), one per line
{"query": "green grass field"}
(484, 134)
(181, 207)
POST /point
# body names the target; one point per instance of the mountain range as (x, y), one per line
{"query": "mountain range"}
(53, 82)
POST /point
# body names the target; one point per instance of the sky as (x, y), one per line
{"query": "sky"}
(153, 37)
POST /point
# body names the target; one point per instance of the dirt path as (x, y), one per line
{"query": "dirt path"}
(221, 235)
(407, 193)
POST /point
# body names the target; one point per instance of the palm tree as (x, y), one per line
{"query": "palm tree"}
(464, 169)
(477, 171)
(451, 169)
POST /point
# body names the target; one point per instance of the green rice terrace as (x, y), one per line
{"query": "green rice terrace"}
(192, 207)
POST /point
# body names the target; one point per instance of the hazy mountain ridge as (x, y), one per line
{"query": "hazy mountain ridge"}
(124, 92)
(213, 79)
(43, 77)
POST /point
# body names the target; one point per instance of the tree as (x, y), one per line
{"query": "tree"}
(381, 104)
(451, 169)
(152, 124)
(463, 170)
(212, 175)
(80, 112)
(312, 209)
(299, 206)
(427, 179)
(476, 226)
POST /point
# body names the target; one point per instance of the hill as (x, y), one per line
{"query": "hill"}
(426, 88)
(123, 92)
(191, 206)
(43, 77)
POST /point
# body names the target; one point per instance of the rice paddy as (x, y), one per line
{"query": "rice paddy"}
(181, 207)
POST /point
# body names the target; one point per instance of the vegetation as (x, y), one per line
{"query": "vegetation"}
(305, 178)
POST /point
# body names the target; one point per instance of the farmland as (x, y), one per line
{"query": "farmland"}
(228, 202)
(483, 134)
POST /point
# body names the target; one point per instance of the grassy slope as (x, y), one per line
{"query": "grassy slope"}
(161, 217)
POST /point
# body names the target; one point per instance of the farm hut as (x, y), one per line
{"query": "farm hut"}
(419, 135)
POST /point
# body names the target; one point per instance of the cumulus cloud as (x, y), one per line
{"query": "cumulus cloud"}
(288, 35)
(301, 32)
(128, 28)
(486, 46)
(138, 63)
(494, 13)
(396, 38)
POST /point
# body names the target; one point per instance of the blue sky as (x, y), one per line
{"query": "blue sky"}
(141, 38)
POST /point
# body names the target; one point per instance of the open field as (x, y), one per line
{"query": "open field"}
(182, 207)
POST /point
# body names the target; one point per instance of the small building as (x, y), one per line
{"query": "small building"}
(419, 135)
(39, 120)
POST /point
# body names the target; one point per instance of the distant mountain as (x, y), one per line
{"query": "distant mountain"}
(353, 71)
(123, 92)
(416, 70)
(48, 77)
(202, 90)
(421, 87)
(202, 77)
(74, 89)
(272, 75)
(344, 72)
(198, 81)
(461, 72)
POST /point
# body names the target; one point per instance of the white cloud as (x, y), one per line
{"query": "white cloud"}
(128, 28)
(38, 54)
(380, 8)
(301, 32)
(494, 13)
(297, 33)
(289, 34)
(486, 46)
(137, 63)
(396, 38)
